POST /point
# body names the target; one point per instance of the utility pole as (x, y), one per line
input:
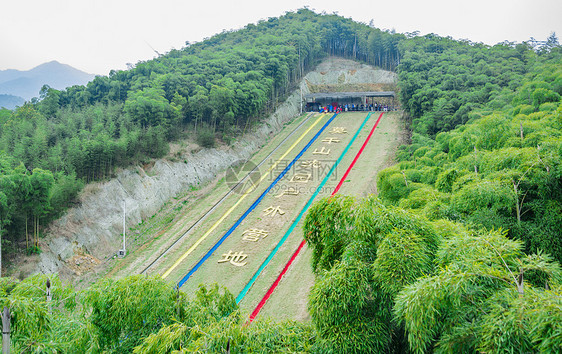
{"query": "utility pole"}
(124, 250)
(6, 331)
(301, 97)
(124, 226)
(49, 296)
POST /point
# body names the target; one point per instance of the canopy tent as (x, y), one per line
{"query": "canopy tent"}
(364, 99)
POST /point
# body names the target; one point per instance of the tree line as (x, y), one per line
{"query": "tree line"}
(216, 89)
(486, 154)
(459, 253)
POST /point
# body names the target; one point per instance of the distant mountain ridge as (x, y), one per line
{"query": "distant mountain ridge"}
(26, 84)
(10, 101)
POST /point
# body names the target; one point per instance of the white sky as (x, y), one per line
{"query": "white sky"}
(99, 35)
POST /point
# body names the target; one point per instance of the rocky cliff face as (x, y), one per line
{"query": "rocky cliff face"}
(342, 73)
(92, 231)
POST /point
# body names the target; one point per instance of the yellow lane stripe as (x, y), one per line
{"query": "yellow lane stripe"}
(216, 224)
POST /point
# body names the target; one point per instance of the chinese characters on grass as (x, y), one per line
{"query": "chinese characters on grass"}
(254, 235)
(303, 175)
(235, 258)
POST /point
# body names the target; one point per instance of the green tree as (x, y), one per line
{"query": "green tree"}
(477, 299)
(363, 254)
(49, 101)
(149, 107)
(125, 311)
(41, 182)
(39, 324)
(543, 95)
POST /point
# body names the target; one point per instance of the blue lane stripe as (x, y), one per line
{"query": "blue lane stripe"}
(244, 291)
(254, 205)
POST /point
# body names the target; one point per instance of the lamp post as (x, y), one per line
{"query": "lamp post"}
(6, 331)
(301, 98)
(123, 251)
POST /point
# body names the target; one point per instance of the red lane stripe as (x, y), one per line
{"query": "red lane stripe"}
(275, 283)
(357, 156)
(303, 242)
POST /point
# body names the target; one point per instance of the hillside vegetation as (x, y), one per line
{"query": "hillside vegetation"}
(459, 252)
(213, 89)
(500, 168)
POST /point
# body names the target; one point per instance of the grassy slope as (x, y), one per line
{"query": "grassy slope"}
(289, 301)
(290, 298)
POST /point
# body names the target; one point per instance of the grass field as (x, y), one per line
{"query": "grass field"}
(289, 300)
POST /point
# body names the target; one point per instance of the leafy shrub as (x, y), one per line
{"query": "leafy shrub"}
(445, 180)
(344, 311)
(368, 251)
(206, 138)
(465, 179)
(126, 310)
(474, 302)
(440, 209)
(489, 195)
(543, 95)
(548, 107)
(524, 109)
(392, 185)
(420, 197)
(421, 151)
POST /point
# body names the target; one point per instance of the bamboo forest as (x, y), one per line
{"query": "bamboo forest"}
(456, 250)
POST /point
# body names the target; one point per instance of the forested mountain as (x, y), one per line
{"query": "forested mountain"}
(26, 84)
(501, 167)
(216, 88)
(460, 253)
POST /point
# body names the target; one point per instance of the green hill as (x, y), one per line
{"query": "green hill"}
(459, 254)
(215, 89)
